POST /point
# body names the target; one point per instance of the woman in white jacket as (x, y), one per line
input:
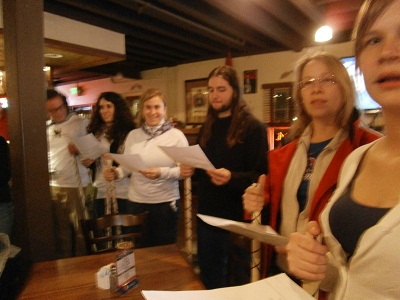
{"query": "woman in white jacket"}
(155, 189)
(361, 223)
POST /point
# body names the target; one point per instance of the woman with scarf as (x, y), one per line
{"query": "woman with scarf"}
(155, 189)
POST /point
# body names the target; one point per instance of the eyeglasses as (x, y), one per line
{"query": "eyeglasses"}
(57, 109)
(324, 80)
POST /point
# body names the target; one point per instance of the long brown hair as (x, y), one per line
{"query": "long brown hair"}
(123, 119)
(240, 111)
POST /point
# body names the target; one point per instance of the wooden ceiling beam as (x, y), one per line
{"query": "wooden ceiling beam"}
(286, 14)
(309, 9)
(153, 55)
(162, 33)
(163, 45)
(131, 21)
(199, 10)
(250, 15)
(175, 54)
(179, 21)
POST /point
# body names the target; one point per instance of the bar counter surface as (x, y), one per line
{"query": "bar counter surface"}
(157, 268)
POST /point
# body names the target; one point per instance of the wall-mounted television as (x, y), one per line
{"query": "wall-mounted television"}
(363, 99)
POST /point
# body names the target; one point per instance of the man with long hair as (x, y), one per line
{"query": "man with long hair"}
(236, 144)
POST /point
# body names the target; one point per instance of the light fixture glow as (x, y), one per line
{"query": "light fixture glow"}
(53, 55)
(323, 34)
(3, 102)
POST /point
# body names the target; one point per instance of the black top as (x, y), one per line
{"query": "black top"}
(5, 171)
(349, 219)
(246, 161)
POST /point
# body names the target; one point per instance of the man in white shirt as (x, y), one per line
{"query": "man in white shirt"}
(64, 163)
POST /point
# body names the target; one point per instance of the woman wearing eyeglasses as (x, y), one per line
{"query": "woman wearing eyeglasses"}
(303, 173)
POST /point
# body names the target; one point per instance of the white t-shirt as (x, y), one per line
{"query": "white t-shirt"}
(61, 162)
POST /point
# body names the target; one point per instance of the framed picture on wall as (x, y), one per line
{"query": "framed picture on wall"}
(250, 82)
(196, 92)
(278, 106)
(276, 135)
(133, 100)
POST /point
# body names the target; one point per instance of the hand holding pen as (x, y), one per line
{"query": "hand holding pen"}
(306, 256)
(253, 197)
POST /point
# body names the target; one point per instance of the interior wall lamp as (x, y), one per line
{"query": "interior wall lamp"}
(323, 34)
(2, 82)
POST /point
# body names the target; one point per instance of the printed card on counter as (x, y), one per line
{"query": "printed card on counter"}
(125, 267)
(262, 233)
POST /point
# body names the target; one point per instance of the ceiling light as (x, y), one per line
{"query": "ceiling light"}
(53, 55)
(3, 102)
(323, 34)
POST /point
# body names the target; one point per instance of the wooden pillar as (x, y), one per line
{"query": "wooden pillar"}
(24, 62)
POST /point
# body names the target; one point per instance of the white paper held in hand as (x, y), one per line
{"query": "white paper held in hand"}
(192, 156)
(262, 233)
(89, 146)
(130, 162)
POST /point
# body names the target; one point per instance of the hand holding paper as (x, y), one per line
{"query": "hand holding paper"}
(89, 146)
(219, 176)
(191, 156)
(130, 162)
(263, 233)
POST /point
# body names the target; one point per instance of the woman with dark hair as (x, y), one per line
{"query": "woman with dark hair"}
(235, 142)
(111, 122)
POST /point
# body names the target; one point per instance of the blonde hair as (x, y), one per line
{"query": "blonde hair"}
(147, 95)
(342, 79)
(369, 12)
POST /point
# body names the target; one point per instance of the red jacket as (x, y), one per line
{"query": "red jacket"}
(279, 161)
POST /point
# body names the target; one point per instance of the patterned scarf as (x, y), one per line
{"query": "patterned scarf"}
(153, 133)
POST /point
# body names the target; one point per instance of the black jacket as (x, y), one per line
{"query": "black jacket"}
(246, 161)
(5, 171)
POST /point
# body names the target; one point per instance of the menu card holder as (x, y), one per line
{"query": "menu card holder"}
(125, 269)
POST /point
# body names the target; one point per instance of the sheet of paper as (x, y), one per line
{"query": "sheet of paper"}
(130, 162)
(89, 146)
(262, 233)
(191, 156)
(279, 287)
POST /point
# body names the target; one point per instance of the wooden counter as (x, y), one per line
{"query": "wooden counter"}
(158, 268)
